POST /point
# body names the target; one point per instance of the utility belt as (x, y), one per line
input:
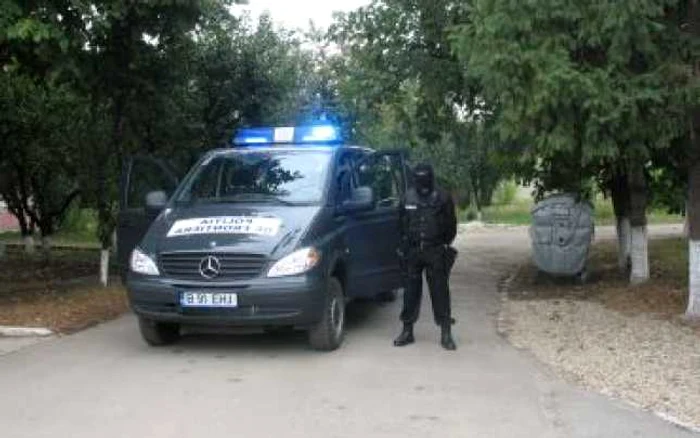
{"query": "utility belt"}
(424, 244)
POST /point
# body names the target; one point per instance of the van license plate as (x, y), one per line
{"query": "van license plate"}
(208, 299)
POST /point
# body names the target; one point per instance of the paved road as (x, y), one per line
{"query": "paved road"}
(105, 383)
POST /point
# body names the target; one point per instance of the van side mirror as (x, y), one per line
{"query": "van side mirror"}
(362, 199)
(156, 201)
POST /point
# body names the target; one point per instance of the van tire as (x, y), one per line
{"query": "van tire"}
(328, 333)
(158, 333)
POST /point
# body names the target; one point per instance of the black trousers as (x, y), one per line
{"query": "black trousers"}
(434, 262)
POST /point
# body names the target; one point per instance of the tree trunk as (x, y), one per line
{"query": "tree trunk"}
(693, 310)
(693, 210)
(104, 267)
(16, 208)
(28, 244)
(46, 245)
(639, 272)
(639, 255)
(693, 215)
(619, 189)
(114, 242)
(477, 200)
(624, 243)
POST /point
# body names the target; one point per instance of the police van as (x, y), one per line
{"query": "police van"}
(282, 229)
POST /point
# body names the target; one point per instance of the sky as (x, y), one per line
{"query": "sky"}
(297, 13)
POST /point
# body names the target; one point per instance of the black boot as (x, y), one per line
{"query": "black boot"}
(406, 336)
(446, 339)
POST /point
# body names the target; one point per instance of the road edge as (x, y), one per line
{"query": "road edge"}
(25, 332)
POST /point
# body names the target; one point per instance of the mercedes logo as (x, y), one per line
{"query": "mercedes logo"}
(210, 267)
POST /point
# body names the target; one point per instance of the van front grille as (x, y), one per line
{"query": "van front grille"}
(231, 266)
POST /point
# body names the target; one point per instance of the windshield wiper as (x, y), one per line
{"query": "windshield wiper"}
(244, 197)
(260, 197)
(279, 200)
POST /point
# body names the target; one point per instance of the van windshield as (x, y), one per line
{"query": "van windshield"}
(294, 177)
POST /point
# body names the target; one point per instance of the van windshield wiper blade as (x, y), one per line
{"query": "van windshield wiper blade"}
(280, 200)
(243, 197)
(261, 197)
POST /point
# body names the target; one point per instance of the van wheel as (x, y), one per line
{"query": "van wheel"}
(158, 333)
(387, 296)
(328, 334)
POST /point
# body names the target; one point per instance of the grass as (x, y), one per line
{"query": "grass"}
(510, 209)
(664, 295)
(60, 293)
(518, 213)
(61, 238)
(78, 228)
(668, 261)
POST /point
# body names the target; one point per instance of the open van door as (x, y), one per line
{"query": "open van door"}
(385, 172)
(141, 175)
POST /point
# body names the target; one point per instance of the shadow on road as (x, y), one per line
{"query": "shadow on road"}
(359, 314)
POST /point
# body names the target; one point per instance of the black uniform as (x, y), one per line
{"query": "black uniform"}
(429, 227)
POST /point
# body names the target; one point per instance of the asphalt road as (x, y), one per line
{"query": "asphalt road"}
(105, 382)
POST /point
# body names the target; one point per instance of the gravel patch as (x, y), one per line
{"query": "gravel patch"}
(649, 362)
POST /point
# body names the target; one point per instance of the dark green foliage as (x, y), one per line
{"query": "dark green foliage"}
(400, 85)
(579, 84)
(87, 84)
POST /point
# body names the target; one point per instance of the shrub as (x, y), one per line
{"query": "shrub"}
(505, 193)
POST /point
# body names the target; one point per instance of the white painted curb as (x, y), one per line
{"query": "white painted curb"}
(24, 331)
(676, 422)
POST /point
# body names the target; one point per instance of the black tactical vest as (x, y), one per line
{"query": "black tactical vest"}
(424, 219)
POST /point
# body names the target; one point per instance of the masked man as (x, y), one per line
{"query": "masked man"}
(429, 227)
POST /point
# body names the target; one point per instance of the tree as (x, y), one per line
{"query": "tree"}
(586, 85)
(127, 72)
(686, 16)
(400, 85)
(229, 74)
(14, 189)
(52, 131)
(87, 84)
(245, 74)
(37, 118)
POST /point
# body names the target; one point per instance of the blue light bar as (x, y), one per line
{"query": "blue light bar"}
(313, 134)
(253, 136)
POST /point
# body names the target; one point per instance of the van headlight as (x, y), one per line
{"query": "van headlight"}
(295, 263)
(142, 264)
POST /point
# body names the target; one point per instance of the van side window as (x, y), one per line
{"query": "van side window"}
(146, 176)
(383, 174)
(344, 179)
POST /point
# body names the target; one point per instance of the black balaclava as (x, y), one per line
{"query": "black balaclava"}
(424, 178)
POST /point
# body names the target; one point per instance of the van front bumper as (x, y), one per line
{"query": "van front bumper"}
(292, 301)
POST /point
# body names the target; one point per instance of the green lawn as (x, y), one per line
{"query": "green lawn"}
(518, 213)
(60, 239)
(79, 228)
